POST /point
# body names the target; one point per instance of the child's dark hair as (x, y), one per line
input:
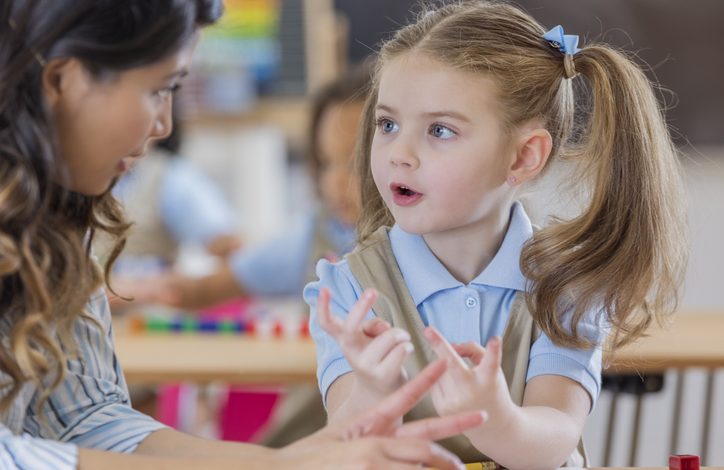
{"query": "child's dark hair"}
(46, 270)
(351, 86)
(625, 254)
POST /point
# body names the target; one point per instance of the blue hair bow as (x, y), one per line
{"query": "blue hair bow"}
(566, 43)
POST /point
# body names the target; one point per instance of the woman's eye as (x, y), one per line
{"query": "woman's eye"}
(386, 126)
(442, 132)
(168, 91)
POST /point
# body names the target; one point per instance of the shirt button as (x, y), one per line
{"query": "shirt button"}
(471, 302)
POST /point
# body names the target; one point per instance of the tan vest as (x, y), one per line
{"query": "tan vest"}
(373, 264)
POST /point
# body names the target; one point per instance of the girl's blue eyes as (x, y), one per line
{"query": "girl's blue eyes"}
(438, 131)
(387, 126)
(442, 132)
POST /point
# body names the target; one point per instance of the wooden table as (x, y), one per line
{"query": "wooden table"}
(694, 340)
(155, 358)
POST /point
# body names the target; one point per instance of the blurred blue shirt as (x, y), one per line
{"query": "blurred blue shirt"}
(282, 265)
(474, 312)
(190, 203)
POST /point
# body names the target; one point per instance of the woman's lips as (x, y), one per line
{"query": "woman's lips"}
(404, 195)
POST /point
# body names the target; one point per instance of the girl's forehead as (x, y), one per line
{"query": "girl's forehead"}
(420, 81)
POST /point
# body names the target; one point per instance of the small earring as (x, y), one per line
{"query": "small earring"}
(512, 180)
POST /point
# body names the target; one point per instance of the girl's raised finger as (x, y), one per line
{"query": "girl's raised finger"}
(359, 311)
(444, 350)
(376, 351)
(493, 356)
(329, 323)
(375, 327)
(471, 350)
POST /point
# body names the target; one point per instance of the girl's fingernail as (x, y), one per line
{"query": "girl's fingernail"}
(402, 336)
(408, 347)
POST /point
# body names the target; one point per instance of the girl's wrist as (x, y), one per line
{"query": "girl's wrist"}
(377, 388)
(501, 420)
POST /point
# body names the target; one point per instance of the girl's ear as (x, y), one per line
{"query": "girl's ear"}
(62, 77)
(532, 150)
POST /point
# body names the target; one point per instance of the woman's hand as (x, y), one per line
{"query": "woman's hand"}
(375, 350)
(376, 440)
(464, 387)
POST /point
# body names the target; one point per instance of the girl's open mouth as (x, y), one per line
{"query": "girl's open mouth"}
(404, 195)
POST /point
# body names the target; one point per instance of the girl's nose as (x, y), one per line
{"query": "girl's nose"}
(403, 154)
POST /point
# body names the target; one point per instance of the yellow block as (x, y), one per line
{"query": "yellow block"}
(481, 466)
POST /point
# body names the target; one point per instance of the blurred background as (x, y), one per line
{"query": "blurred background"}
(245, 109)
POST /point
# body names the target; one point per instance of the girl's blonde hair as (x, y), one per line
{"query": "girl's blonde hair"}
(625, 254)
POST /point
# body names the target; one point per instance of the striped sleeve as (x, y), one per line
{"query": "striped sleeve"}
(25, 452)
(91, 408)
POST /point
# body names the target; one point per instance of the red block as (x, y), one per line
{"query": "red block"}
(684, 462)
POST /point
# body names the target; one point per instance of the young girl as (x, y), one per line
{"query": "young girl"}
(469, 104)
(85, 87)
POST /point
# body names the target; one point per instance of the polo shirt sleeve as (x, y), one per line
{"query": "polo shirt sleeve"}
(345, 291)
(277, 266)
(580, 365)
(192, 206)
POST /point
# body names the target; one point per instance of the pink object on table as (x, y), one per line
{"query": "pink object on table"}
(167, 410)
(235, 309)
(684, 462)
(245, 413)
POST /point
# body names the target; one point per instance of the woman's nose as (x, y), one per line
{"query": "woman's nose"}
(164, 123)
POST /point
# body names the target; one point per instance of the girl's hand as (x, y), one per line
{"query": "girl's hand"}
(374, 349)
(464, 387)
(377, 440)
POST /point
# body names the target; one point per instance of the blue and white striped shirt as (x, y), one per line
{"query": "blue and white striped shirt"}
(90, 408)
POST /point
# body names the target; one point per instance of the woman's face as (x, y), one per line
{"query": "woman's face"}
(104, 124)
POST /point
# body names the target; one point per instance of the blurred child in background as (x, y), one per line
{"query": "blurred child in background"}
(284, 264)
(170, 202)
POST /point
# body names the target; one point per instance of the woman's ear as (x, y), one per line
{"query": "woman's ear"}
(532, 150)
(61, 78)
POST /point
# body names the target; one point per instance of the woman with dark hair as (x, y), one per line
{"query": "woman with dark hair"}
(85, 87)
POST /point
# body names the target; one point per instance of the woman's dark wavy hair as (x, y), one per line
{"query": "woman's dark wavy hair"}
(47, 273)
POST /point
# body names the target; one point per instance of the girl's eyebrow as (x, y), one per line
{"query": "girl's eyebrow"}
(431, 114)
(383, 107)
(451, 114)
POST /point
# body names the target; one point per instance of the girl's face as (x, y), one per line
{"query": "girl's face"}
(337, 134)
(105, 124)
(439, 156)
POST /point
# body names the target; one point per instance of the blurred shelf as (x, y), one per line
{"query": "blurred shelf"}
(290, 114)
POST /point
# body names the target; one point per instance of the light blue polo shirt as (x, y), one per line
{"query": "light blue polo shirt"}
(473, 312)
(281, 265)
(190, 204)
